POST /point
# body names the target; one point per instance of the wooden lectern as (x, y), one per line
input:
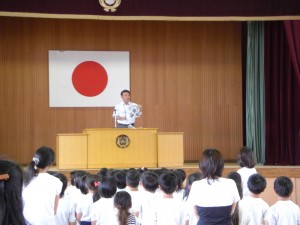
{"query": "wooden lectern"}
(119, 148)
(103, 150)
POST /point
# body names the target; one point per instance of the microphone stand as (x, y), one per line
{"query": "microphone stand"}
(115, 117)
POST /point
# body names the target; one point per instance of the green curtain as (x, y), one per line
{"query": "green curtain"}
(255, 98)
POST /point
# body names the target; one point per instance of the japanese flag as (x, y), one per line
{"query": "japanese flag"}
(87, 78)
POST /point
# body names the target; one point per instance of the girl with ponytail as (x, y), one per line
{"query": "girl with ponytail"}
(41, 190)
(122, 202)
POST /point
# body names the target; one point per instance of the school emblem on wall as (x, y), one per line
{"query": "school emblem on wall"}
(122, 141)
(110, 5)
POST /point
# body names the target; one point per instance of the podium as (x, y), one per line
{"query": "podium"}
(119, 148)
(103, 150)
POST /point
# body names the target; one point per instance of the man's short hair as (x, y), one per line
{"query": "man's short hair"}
(125, 91)
(283, 186)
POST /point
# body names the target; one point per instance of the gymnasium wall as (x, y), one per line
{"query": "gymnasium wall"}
(187, 76)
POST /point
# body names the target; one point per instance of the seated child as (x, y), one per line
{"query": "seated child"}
(145, 211)
(253, 209)
(284, 211)
(103, 210)
(65, 213)
(122, 202)
(168, 210)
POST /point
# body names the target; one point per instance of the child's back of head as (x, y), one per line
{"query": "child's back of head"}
(120, 177)
(64, 181)
(132, 178)
(256, 184)
(168, 182)
(283, 186)
(107, 187)
(246, 158)
(149, 180)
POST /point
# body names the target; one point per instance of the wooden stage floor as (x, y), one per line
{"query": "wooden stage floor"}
(266, 171)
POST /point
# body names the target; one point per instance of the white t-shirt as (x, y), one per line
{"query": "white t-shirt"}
(104, 212)
(84, 206)
(65, 213)
(283, 213)
(168, 211)
(128, 111)
(146, 208)
(245, 174)
(189, 213)
(252, 211)
(214, 199)
(39, 197)
(135, 199)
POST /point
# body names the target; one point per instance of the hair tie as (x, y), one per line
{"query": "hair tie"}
(36, 161)
(96, 184)
(4, 176)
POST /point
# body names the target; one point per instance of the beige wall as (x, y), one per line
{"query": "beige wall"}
(187, 76)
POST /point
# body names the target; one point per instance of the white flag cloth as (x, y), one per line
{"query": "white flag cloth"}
(87, 78)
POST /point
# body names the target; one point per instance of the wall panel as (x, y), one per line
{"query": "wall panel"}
(187, 76)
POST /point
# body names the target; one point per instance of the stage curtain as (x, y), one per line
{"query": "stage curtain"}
(255, 104)
(282, 93)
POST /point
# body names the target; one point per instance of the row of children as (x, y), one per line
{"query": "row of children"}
(142, 196)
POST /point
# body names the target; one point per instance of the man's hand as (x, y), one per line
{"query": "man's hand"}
(121, 118)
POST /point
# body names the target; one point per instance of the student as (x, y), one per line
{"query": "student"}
(41, 190)
(238, 181)
(246, 160)
(168, 210)
(252, 208)
(178, 194)
(120, 177)
(86, 201)
(103, 212)
(213, 197)
(284, 211)
(11, 182)
(191, 218)
(65, 213)
(145, 210)
(122, 202)
(132, 183)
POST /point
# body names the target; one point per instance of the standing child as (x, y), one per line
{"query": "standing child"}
(122, 202)
(246, 160)
(168, 210)
(284, 211)
(41, 190)
(253, 209)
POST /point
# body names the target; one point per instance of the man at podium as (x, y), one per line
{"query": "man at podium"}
(126, 111)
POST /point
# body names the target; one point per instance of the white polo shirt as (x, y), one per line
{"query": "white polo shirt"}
(130, 111)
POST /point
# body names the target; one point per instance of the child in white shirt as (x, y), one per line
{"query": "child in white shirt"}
(253, 209)
(103, 211)
(65, 214)
(168, 210)
(84, 206)
(246, 160)
(145, 210)
(284, 211)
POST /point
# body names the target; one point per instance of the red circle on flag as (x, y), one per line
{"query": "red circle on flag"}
(89, 78)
